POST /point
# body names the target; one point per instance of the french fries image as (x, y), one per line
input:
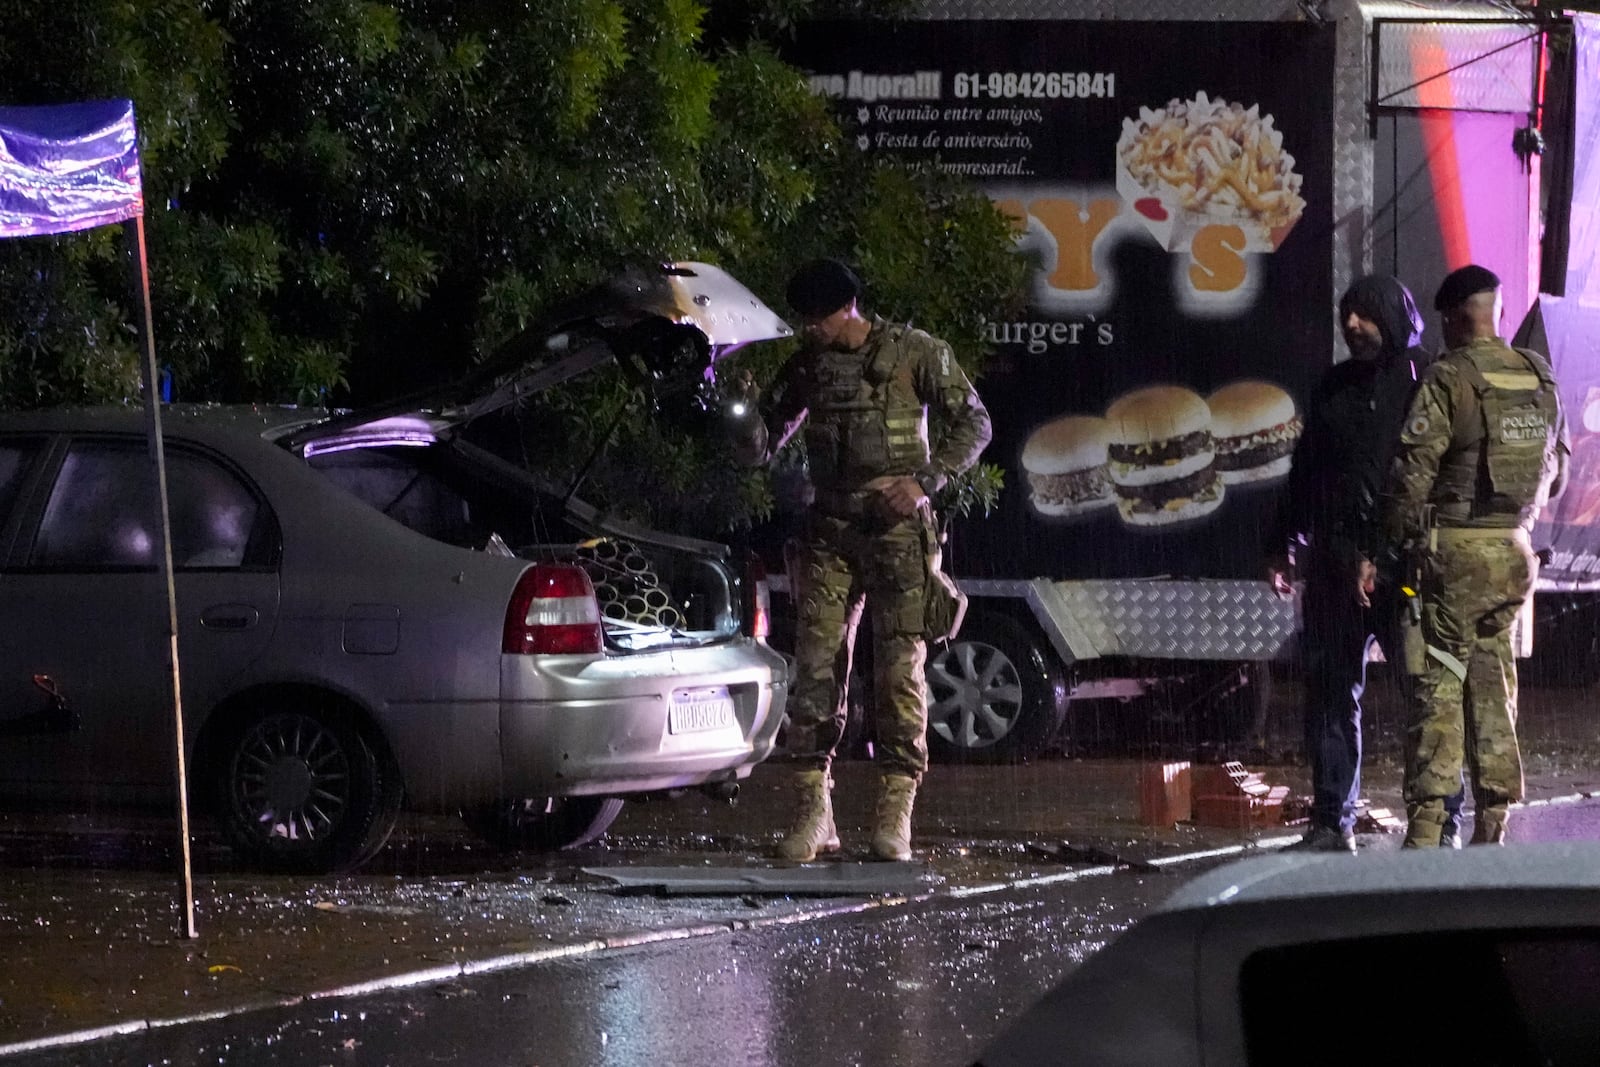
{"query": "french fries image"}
(1193, 163)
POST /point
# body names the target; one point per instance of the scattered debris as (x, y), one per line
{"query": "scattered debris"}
(1230, 796)
(833, 879)
(1166, 794)
(1069, 853)
(1371, 820)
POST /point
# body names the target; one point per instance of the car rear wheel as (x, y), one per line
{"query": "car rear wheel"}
(305, 793)
(544, 824)
(995, 695)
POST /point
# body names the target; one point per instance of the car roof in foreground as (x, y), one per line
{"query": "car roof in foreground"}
(1303, 876)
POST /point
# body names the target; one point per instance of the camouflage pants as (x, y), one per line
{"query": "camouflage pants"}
(1477, 583)
(841, 568)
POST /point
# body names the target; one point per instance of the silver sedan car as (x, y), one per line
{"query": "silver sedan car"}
(371, 612)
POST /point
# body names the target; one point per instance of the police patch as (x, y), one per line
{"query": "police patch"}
(1419, 426)
(1523, 426)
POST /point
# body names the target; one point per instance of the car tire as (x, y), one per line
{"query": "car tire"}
(303, 791)
(544, 824)
(996, 694)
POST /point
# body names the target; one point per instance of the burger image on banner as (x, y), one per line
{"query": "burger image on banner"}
(1065, 461)
(1255, 427)
(1162, 456)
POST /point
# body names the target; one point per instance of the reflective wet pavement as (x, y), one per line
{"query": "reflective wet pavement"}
(928, 984)
(89, 914)
(89, 919)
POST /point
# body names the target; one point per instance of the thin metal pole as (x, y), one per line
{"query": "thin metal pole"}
(152, 409)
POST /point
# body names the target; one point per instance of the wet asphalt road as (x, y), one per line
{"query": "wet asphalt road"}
(927, 985)
(86, 926)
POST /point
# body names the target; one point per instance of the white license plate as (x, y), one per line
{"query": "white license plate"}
(695, 711)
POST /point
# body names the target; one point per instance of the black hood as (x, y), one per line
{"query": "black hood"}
(1387, 302)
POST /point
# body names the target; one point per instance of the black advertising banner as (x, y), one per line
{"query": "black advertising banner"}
(1172, 183)
(1569, 330)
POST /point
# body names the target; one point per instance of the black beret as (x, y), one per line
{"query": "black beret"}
(1460, 284)
(822, 287)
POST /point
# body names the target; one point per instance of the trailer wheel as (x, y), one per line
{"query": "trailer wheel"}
(996, 694)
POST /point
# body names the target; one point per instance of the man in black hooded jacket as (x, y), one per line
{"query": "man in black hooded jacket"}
(1327, 534)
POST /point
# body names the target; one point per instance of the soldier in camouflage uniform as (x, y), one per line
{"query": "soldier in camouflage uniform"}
(1484, 447)
(862, 388)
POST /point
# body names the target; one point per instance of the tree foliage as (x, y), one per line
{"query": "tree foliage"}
(350, 199)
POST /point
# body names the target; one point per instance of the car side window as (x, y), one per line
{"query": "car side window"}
(14, 456)
(102, 511)
(403, 487)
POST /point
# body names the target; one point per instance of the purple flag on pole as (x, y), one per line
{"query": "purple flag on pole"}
(68, 167)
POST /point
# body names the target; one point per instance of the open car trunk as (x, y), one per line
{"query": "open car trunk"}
(410, 460)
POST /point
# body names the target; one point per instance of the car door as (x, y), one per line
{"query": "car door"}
(84, 679)
(24, 708)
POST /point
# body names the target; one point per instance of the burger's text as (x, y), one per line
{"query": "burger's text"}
(1039, 336)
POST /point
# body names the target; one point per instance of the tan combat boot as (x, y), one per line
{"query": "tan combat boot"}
(1489, 828)
(891, 833)
(813, 830)
(1424, 823)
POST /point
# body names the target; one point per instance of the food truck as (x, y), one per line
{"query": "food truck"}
(1195, 185)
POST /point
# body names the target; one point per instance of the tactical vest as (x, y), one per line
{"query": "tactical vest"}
(1501, 441)
(865, 419)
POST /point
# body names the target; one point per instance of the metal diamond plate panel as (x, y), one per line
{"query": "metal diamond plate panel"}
(1457, 66)
(1352, 161)
(1181, 620)
(1144, 10)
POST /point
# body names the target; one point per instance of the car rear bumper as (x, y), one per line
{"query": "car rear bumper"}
(584, 725)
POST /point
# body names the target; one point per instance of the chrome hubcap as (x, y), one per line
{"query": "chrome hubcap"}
(976, 695)
(292, 778)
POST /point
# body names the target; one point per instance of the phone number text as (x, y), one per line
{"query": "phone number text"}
(1011, 84)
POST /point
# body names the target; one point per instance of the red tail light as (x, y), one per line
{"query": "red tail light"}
(553, 610)
(758, 598)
